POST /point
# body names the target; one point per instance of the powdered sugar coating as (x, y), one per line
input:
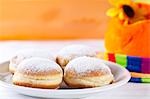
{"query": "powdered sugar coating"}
(74, 51)
(37, 65)
(29, 53)
(85, 64)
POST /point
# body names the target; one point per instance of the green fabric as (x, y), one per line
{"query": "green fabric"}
(121, 59)
(145, 80)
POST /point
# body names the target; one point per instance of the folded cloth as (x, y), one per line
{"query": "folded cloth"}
(138, 66)
(139, 80)
(139, 75)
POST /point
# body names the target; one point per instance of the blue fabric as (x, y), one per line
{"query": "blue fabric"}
(136, 80)
(134, 64)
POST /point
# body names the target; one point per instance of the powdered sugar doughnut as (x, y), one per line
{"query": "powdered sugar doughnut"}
(86, 72)
(73, 51)
(28, 53)
(38, 73)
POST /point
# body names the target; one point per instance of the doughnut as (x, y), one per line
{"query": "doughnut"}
(28, 53)
(38, 73)
(73, 51)
(87, 72)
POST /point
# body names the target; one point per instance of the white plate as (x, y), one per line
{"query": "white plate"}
(121, 75)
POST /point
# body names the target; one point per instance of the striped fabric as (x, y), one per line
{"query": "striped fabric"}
(138, 66)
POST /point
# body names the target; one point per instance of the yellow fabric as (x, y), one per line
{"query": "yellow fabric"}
(142, 1)
(139, 75)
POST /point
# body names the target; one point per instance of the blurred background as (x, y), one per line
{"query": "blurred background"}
(52, 19)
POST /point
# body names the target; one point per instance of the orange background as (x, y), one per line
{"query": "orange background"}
(52, 19)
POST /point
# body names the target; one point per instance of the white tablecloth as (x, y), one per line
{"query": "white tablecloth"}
(128, 91)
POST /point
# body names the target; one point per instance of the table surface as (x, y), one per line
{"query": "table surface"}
(127, 91)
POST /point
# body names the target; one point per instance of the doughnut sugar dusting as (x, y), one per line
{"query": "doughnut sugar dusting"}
(85, 64)
(38, 73)
(28, 53)
(87, 72)
(68, 53)
(36, 65)
(74, 51)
